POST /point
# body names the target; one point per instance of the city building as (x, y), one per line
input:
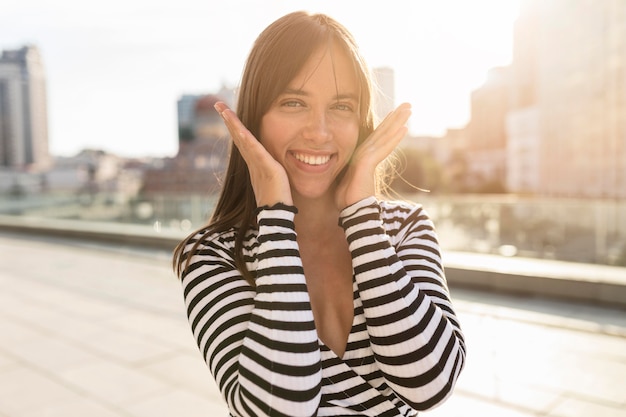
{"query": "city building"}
(186, 109)
(385, 88)
(184, 187)
(569, 78)
(486, 130)
(202, 150)
(23, 110)
(553, 122)
(523, 151)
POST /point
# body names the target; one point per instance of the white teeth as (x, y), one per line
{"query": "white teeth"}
(312, 159)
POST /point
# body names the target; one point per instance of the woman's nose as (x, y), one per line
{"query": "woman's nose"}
(317, 128)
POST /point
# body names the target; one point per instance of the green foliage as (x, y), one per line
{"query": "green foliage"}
(415, 170)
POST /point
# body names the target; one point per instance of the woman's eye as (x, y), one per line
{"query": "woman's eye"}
(344, 107)
(292, 103)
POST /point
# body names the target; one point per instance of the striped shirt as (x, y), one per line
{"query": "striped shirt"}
(405, 349)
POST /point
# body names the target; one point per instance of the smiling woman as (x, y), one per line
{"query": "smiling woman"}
(306, 293)
(312, 128)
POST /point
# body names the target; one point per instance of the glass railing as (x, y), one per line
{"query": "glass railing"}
(577, 230)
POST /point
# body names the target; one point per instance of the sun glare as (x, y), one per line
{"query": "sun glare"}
(439, 50)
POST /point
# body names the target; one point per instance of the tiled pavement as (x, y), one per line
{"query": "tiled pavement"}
(99, 331)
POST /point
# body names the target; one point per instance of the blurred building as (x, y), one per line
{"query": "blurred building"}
(385, 87)
(523, 151)
(202, 150)
(567, 124)
(89, 174)
(91, 171)
(554, 121)
(486, 130)
(23, 110)
(187, 114)
(183, 188)
(186, 109)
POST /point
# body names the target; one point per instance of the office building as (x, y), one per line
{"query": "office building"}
(202, 149)
(385, 88)
(23, 110)
(569, 66)
(486, 130)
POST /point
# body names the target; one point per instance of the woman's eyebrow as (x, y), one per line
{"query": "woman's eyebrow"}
(300, 92)
(347, 96)
(296, 91)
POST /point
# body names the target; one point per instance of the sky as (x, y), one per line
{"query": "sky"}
(115, 69)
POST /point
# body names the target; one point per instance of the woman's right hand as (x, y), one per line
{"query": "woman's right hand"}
(269, 179)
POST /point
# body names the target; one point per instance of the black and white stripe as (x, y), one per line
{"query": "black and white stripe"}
(405, 350)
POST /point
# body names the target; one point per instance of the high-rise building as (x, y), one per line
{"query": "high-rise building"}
(202, 149)
(570, 66)
(486, 130)
(385, 88)
(185, 107)
(23, 109)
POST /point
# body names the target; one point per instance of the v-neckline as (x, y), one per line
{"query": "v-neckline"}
(352, 326)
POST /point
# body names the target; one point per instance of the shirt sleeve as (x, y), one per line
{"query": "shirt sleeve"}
(414, 332)
(260, 343)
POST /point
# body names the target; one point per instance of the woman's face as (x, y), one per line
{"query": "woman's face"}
(312, 128)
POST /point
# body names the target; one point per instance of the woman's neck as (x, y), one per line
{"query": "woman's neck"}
(316, 217)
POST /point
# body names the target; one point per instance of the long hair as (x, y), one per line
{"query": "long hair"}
(277, 56)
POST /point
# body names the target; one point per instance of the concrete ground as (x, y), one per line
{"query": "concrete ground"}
(97, 330)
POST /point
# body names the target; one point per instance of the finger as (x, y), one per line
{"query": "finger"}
(394, 121)
(242, 138)
(392, 129)
(252, 151)
(385, 138)
(234, 125)
(232, 121)
(237, 130)
(385, 144)
(399, 116)
(220, 106)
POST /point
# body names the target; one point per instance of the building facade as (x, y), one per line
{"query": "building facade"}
(570, 65)
(385, 88)
(23, 110)
(486, 130)
(523, 151)
(202, 150)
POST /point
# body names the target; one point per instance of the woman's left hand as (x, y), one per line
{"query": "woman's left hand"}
(359, 181)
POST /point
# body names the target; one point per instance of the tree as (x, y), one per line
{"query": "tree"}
(414, 170)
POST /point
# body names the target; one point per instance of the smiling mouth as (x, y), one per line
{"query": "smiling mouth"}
(312, 159)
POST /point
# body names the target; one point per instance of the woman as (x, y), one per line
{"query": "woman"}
(306, 294)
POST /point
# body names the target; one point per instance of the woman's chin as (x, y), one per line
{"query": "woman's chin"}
(315, 191)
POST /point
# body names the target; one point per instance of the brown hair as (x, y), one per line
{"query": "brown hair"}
(277, 56)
